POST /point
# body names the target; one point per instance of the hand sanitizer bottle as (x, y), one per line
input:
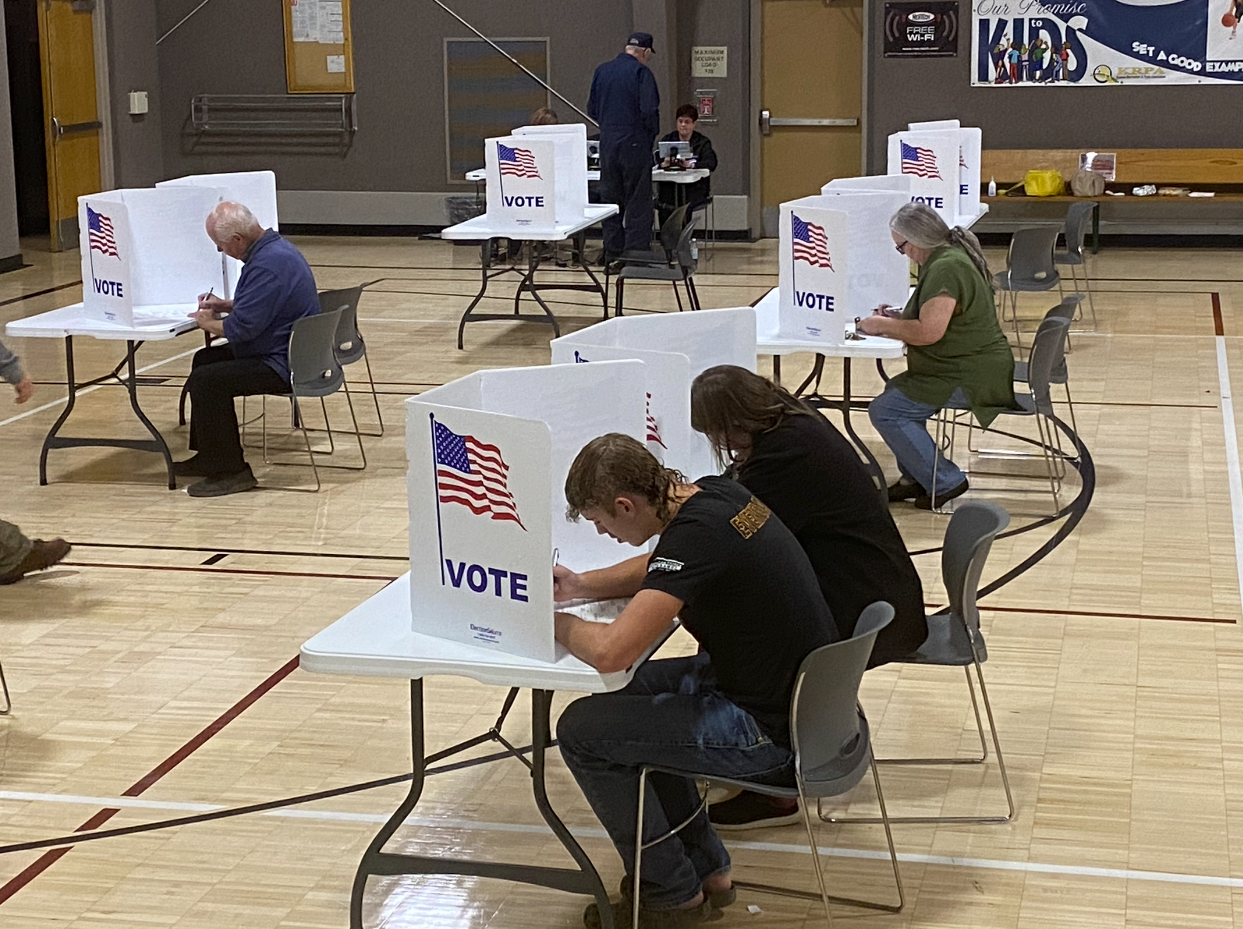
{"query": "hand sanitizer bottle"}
(992, 186)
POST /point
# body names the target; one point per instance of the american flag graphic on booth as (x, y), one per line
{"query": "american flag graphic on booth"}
(99, 231)
(516, 162)
(473, 474)
(653, 428)
(810, 243)
(919, 161)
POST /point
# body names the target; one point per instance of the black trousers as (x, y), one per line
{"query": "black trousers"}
(216, 378)
(626, 179)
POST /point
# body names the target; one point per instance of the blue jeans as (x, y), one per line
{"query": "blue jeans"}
(671, 714)
(903, 424)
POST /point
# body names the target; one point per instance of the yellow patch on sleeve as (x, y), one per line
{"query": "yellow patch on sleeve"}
(751, 518)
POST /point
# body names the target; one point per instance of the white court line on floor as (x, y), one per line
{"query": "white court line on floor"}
(989, 864)
(1232, 456)
(88, 390)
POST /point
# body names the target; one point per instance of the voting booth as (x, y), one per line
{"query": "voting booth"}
(488, 458)
(524, 185)
(970, 145)
(256, 190)
(675, 349)
(812, 269)
(878, 273)
(144, 253)
(569, 163)
(943, 161)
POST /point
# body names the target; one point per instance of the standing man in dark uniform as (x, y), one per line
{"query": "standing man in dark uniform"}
(625, 102)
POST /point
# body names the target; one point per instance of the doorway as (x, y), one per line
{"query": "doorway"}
(811, 77)
(21, 24)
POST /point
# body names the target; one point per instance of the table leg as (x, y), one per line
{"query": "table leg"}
(485, 262)
(580, 247)
(583, 879)
(64, 415)
(528, 284)
(873, 466)
(132, 385)
(777, 370)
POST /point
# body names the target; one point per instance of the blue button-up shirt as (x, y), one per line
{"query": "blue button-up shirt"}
(625, 101)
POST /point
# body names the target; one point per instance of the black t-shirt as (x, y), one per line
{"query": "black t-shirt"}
(813, 479)
(751, 597)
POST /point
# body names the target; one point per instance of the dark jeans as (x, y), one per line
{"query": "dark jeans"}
(216, 378)
(671, 714)
(626, 179)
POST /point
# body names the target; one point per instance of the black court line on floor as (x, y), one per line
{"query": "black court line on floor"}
(40, 293)
(285, 553)
(244, 572)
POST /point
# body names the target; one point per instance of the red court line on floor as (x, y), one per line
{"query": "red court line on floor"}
(1218, 328)
(47, 859)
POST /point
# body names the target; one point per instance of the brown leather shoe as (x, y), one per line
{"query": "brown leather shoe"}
(42, 555)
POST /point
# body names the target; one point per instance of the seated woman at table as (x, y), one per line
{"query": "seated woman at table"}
(801, 467)
(741, 585)
(702, 156)
(958, 357)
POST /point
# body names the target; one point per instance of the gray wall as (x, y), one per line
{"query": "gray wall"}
(393, 169)
(902, 90)
(10, 247)
(138, 147)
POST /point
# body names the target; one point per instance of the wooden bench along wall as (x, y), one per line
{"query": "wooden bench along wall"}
(1173, 166)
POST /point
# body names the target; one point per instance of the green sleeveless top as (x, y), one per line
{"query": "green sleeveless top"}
(972, 354)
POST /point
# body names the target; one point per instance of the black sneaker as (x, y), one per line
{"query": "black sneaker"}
(717, 899)
(191, 467)
(623, 911)
(223, 486)
(924, 501)
(905, 490)
(753, 811)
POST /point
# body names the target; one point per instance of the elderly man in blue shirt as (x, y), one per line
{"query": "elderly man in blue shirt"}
(275, 289)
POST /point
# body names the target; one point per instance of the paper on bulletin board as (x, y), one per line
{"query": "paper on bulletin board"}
(331, 23)
(305, 18)
(336, 64)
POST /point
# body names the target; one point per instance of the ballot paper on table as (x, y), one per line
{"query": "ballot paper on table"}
(488, 455)
(594, 611)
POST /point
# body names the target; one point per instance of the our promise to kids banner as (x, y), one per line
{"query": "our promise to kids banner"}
(1097, 43)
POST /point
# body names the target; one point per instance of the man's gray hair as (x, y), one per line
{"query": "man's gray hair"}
(923, 227)
(234, 219)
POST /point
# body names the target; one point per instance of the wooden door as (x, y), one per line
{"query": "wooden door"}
(811, 69)
(67, 53)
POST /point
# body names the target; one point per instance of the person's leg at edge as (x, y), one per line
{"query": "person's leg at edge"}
(14, 547)
(903, 425)
(638, 197)
(612, 184)
(671, 715)
(213, 354)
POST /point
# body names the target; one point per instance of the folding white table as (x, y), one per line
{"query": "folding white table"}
(484, 229)
(154, 324)
(878, 348)
(376, 639)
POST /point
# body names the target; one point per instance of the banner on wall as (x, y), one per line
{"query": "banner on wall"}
(921, 30)
(1098, 43)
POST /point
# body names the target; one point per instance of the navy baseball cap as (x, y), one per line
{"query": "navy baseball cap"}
(641, 40)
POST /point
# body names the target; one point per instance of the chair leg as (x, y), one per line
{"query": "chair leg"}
(375, 397)
(678, 296)
(1070, 405)
(4, 686)
(815, 853)
(694, 292)
(617, 299)
(893, 852)
(638, 835)
(1087, 286)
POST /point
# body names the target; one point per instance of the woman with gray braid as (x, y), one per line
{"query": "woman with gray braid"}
(958, 356)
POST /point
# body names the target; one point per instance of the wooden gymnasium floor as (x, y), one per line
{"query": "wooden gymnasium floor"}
(154, 676)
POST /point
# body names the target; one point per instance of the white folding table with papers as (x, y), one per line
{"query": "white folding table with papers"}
(152, 324)
(376, 639)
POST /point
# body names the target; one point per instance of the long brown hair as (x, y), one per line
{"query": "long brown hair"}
(614, 465)
(728, 400)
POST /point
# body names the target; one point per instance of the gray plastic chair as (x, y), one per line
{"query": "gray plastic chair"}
(955, 640)
(315, 373)
(1075, 230)
(1059, 374)
(350, 345)
(832, 752)
(1029, 268)
(679, 264)
(1036, 402)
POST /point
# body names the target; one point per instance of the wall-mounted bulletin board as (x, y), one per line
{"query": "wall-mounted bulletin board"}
(319, 57)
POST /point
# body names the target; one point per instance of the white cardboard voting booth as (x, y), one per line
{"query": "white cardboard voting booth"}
(878, 274)
(256, 190)
(970, 145)
(812, 271)
(488, 457)
(930, 158)
(144, 253)
(899, 182)
(675, 348)
(570, 162)
(522, 182)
